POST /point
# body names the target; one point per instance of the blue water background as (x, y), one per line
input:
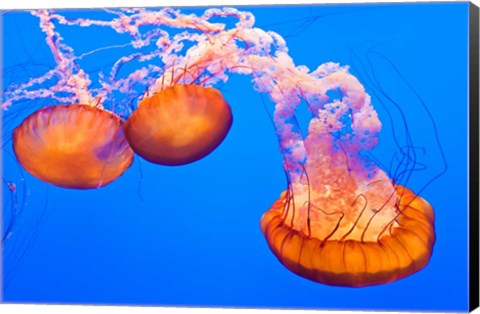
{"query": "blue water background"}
(190, 235)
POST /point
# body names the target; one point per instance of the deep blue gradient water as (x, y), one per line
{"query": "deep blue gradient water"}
(190, 235)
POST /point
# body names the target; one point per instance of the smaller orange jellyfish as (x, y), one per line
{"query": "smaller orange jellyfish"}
(179, 125)
(73, 146)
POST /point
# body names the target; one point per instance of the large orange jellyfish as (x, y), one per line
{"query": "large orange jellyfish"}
(179, 125)
(75, 146)
(342, 221)
(340, 254)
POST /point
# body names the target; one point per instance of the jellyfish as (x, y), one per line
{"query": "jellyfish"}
(341, 226)
(341, 220)
(80, 145)
(179, 125)
(76, 146)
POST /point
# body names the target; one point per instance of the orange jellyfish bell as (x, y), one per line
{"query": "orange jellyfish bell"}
(179, 125)
(345, 255)
(73, 146)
